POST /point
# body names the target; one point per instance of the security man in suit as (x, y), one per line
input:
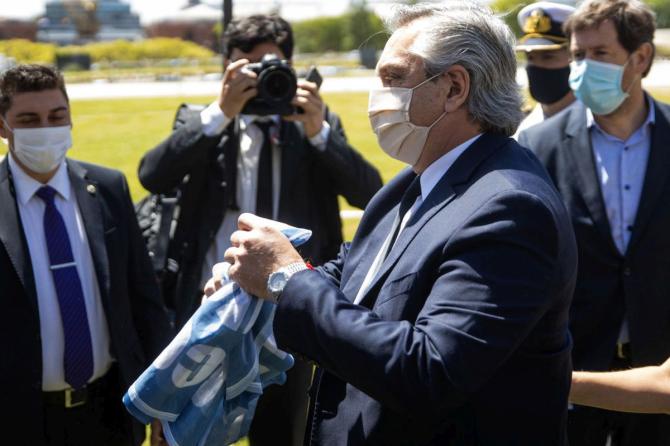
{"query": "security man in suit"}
(445, 321)
(290, 168)
(610, 160)
(81, 312)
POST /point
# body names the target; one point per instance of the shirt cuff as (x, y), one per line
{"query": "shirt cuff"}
(320, 139)
(213, 120)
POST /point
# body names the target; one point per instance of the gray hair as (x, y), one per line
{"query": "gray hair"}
(470, 35)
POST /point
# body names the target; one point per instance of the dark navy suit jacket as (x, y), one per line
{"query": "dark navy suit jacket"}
(610, 283)
(462, 338)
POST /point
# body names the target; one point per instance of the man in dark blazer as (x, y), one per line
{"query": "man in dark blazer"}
(445, 319)
(610, 159)
(81, 315)
(221, 151)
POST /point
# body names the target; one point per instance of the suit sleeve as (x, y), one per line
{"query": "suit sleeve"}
(148, 310)
(491, 287)
(183, 152)
(349, 174)
(332, 270)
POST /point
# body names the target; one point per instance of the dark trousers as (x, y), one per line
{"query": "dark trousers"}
(102, 421)
(592, 427)
(281, 414)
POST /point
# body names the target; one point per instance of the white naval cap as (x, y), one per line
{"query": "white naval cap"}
(542, 24)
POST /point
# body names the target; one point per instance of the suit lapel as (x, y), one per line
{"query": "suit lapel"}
(90, 207)
(426, 211)
(12, 236)
(577, 145)
(373, 230)
(658, 170)
(443, 193)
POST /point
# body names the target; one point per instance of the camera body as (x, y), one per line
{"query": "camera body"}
(277, 84)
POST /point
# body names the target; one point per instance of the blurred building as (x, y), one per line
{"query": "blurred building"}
(79, 21)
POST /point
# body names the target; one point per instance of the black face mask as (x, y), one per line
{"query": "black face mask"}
(548, 85)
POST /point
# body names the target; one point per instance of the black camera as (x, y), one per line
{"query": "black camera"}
(277, 84)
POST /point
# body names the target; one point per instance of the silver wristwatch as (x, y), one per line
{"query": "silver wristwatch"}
(277, 280)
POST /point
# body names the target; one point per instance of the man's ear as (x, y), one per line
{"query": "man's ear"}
(459, 90)
(641, 57)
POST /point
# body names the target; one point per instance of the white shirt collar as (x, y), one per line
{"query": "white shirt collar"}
(26, 186)
(433, 173)
(246, 120)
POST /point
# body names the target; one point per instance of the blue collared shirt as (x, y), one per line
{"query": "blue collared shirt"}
(621, 167)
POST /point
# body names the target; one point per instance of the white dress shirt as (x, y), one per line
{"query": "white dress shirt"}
(31, 210)
(428, 179)
(214, 121)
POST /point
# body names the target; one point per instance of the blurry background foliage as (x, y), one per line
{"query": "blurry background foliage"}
(26, 51)
(353, 30)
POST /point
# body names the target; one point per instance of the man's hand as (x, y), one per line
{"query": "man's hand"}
(216, 281)
(237, 88)
(257, 250)
(157, 437)
(307, 97)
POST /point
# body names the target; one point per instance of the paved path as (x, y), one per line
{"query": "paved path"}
(658, 77)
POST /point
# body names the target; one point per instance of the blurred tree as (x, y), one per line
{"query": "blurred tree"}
(508, 10)
(662, 9)
(320, 35)
(359, 29)
(364, 27)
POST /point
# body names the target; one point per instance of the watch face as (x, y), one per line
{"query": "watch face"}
(277, 281)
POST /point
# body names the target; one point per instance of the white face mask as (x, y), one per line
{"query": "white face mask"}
(388, 110)
(41, 149)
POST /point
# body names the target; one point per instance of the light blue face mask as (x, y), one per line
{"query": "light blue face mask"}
(598, 85)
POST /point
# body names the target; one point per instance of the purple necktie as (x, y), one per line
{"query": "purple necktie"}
(78, 355)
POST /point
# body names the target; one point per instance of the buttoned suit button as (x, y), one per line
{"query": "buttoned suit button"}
(627, 271)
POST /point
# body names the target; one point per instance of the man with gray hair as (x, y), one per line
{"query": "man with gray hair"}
(445, 320)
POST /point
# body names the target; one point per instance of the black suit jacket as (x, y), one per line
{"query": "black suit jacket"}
(609, 283)
(130, 297)
(462, 338)
(311, 181)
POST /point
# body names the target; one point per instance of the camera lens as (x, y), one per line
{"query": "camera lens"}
(279, 85)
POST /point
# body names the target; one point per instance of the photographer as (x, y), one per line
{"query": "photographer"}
(288, 167)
